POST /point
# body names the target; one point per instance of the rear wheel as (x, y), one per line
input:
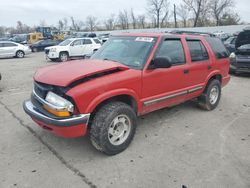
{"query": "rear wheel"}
(209, 100)
(113, 128)
(63, 56)
(19, 54)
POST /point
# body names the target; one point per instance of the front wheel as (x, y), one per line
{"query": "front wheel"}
(63, 56)
(113, 128)
(209, 100)
(19, 54)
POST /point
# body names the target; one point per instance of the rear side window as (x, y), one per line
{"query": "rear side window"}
(9, 44)
(218, 47)
(197, 50)
(173, 49)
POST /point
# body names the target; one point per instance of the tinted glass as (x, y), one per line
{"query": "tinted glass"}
(197, 51)
(9, 44)
(218, 47)
(172, 49)
(97, 41)
(87, 41)
(77, 43)
(130, 51)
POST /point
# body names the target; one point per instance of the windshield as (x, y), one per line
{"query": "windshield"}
(65, 43)
(129, 51)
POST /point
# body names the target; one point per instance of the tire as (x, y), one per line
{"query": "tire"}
(209, 100)
(34, 50)
(53, 59)
(20, 54)
(113, 128)
(63, 56)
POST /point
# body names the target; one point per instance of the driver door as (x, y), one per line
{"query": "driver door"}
(77, 48)
(164, 87)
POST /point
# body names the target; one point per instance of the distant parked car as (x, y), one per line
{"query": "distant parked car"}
(230, 44)
(74, 47)
(12, 49)
(104, 37)
(42, 44)
(240, 59)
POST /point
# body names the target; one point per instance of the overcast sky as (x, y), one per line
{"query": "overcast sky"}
(32, 12)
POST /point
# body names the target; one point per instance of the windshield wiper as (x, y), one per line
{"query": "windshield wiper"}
(107, 59)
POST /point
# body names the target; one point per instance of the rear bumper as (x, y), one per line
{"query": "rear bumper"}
(75, 126)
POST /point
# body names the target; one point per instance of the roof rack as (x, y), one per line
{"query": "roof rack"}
(192, 33)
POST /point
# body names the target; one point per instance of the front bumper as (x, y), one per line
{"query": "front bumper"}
(52, 55)
(240, 65)
(74, 126)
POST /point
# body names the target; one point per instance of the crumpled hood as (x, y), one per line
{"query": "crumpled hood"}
(66, 73)
(242, 39)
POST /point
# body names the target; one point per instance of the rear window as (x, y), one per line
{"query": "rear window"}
(218, 47)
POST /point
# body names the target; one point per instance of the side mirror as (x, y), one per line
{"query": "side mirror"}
(161, 62)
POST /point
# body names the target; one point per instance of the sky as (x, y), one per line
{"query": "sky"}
(32, 12)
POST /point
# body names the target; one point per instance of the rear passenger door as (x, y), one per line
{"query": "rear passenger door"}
(199, 64)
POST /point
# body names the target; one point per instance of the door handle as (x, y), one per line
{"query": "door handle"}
(209, 67)
(185, 71)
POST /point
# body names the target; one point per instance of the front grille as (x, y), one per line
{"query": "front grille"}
(42, 89)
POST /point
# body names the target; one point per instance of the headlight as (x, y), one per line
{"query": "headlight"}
(232, 55)
(53, 49)
(59, 102)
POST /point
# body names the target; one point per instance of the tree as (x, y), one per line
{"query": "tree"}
(123, 20)
(60, 25)
(76, 25)
(141, 21)
(65, 23)
(196, 7)
(218, 8)
(110, 23)
(159, 10)
(133, 19)
(183, 13)
(91, 23)
(230, 18)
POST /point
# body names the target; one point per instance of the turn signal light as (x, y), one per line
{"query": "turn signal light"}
(57, 113)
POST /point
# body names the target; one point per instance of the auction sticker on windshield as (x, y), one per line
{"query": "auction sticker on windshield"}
(144, 39)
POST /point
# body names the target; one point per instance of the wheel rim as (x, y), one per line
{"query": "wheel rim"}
(119, 129)
(214, 95)
(64, 57)
(20, 54)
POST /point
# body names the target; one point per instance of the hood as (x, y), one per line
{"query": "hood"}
(71, 72)
(55, 46)
(242, 39)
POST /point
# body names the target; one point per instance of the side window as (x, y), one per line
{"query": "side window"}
(77, 43)
(173, 49)
(9, 44)
(218, 47)
(87, 41)
(97, 41)
(197, 51)
(233, 41)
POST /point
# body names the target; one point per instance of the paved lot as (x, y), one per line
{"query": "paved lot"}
(172, 147)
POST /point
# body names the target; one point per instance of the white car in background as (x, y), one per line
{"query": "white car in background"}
(74, 47)
(12, 49)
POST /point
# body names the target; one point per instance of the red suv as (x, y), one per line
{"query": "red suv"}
(131, 75)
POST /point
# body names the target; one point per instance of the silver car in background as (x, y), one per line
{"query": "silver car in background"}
(12, 49)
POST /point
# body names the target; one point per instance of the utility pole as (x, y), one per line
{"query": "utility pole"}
(175, 20)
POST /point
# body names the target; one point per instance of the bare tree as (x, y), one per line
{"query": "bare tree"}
(60, 25)
(218, 8)
(110, 23)
(65, 23)
(123, 20)
(183, 13)
(76, 25)
(230, 18)
(159, 10)
(133, 19)
(91, 23)
(196, 7)
(141, 21)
